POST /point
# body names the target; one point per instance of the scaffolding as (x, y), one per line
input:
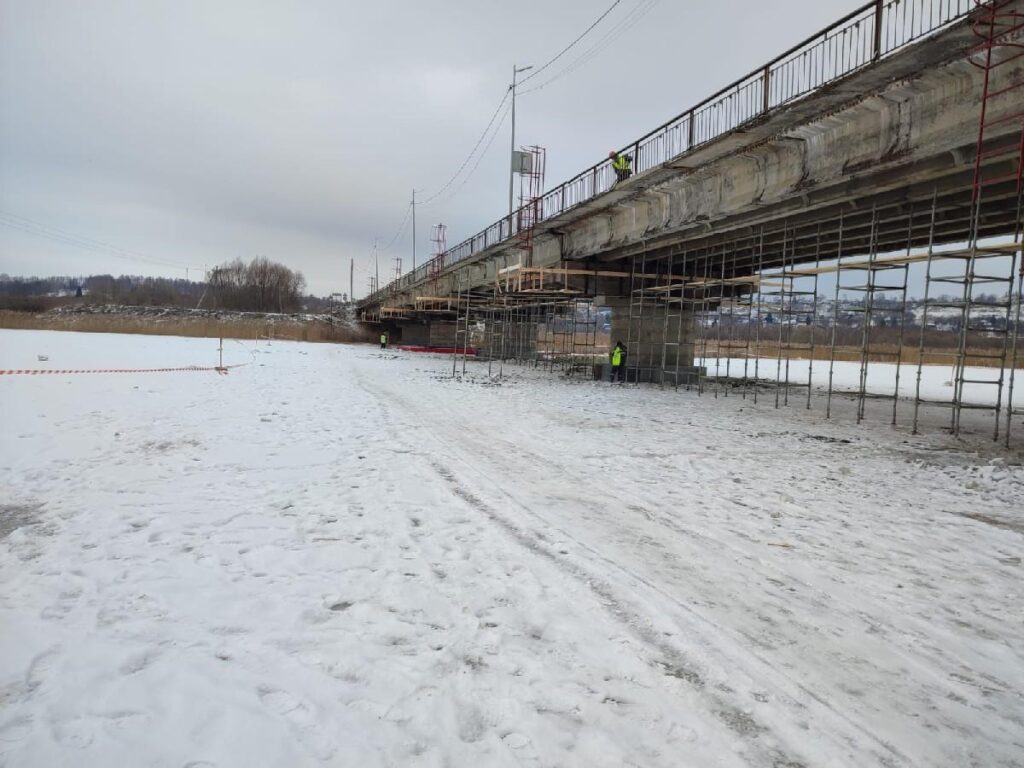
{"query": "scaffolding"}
(998, 27)
(902, 308)
(508, 316)
(675, 330)
(655, 331)
(540, 317)
(803, 316)
(749, 316)
(583, 340)
(463, 312)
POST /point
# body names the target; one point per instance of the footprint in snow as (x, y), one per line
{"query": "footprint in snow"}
(75, 732)
(516, 740)
(300, 719)
(40, 668)
(66, 602)
(139, 661)
(471, 725)
(16, 729)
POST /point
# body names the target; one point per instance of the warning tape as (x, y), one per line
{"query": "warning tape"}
(223, 370)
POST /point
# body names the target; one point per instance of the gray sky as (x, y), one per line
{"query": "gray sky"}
(191, 133)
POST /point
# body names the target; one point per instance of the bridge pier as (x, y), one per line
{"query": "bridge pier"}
(658, 340)
(436, 333)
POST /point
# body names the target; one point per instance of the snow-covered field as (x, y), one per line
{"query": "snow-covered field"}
(936, 382)
(338, 556)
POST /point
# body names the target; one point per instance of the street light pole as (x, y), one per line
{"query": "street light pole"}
(511, 171)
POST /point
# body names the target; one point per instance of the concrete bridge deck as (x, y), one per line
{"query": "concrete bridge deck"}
(860, 154)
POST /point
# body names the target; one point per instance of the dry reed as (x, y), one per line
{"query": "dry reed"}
(209, 328)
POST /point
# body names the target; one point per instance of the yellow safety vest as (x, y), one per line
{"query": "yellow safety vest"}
(617, 357)
(383, 338)
(620, 163)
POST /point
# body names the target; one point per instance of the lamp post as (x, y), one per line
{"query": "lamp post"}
(511, 171)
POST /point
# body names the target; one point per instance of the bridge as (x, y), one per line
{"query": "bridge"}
(887, 145)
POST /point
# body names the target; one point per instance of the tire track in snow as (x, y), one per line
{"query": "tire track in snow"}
(673, 661)
(929, 688)
(739, 554)
(676, 663)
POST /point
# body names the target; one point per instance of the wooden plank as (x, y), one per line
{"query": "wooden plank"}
(898, 261)
(565, 271)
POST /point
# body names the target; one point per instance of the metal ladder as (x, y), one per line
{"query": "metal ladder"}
(584, 337)
(997, 25)
(462, 311)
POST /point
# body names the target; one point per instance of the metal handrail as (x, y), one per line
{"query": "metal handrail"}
(863, 36)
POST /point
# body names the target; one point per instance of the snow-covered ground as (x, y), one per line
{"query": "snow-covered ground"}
(936, 382)
(338, 556)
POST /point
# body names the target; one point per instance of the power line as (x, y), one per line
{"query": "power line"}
(570, 45)
(472, 152)
(621, 27)
(487, 130)
(481, 155)
(612, 36)
(487, 133)
(401, 228)
(33, 227)
(624, 24)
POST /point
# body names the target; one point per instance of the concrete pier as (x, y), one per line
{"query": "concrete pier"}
(658, 340)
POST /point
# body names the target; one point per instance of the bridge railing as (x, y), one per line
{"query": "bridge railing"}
(863, 36)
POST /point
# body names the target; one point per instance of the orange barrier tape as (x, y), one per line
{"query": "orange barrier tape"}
(44, 371)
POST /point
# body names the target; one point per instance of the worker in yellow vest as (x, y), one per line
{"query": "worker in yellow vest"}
(384, 340)
(622, 165)
(618, 361)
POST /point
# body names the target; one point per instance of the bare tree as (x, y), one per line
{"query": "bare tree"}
(261, 285)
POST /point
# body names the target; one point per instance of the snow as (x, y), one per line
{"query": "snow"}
(340, 556)
(936, 380)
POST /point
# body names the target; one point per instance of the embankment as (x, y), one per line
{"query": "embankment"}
(175, 321)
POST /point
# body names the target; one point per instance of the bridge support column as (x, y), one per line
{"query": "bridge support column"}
(434, 334)
(658, 341)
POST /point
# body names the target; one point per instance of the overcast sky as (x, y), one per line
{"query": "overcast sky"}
(190, 133)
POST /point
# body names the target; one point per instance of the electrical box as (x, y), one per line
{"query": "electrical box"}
(522, 162)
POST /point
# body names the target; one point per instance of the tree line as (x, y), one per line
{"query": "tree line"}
(260, 285)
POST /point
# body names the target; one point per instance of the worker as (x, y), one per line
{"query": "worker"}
(622, 165)
(618, 361)
(384, 340)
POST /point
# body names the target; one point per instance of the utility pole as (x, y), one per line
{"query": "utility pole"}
(414, 230)
(376, 264)
(511, 171)
(351, 279)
